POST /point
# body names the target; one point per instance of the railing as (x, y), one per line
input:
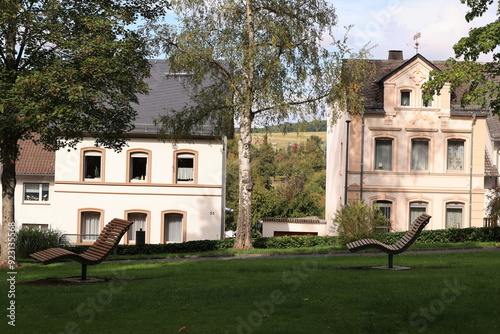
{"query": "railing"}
(488, 222)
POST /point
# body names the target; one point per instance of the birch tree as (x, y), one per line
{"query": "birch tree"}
(269, 60)
(67, 68)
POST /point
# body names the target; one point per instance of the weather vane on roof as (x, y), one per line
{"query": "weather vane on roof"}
(415, 38)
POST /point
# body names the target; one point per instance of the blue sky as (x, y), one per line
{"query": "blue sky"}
(391, 25)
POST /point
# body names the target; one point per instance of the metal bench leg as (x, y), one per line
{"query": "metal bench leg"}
(390, 261)
(84, 272)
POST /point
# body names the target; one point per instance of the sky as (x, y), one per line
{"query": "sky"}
(392, 24)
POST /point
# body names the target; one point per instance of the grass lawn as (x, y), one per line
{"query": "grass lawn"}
(443, 293)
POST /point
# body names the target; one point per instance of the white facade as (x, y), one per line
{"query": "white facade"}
(197, 203)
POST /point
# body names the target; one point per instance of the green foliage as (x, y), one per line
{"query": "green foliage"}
(484, 234)
(493, 207)
(82, 80)
(31, 240)
(252, 60)
(452, 235)
(478, 78)
(358, 220)
(68, 69)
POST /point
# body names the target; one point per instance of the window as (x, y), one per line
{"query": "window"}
(419, 154)
(139, 224)
(429, 104)
(42, 227)
(36, 192)
(185, 168)
(454, 215)
(455, 154)
(383, 154)
(405, 98)
(385, 207)
(92, 164)
(138, 166)
(416, 209)
(173, 228)
(90, 225)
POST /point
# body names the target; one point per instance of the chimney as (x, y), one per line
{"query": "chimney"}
(395, 55)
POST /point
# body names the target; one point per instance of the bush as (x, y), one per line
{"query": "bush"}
(31, 240)
(357, 221)
(472, 234)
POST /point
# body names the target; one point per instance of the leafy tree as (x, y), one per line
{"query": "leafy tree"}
(270, 57)
(478, 78)
(493, 207)
(67, 68)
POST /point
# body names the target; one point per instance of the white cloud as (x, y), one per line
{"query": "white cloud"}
(391, 25)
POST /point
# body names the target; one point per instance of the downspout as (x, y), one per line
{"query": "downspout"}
(362, 167)
(346, 161)
(471, 167)
(223, 195)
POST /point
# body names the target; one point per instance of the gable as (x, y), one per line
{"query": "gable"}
(418, 67)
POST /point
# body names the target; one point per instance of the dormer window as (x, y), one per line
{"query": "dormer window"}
(405, 98)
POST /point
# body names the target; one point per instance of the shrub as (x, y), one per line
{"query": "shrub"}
(31, 240)
(357, 221)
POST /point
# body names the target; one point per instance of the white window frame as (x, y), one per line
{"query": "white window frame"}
(454, 206)
(416, 205)
(138, 155)
(185, 174)
(90, 154)
(94, 230)
(136, 226)
(42, 196)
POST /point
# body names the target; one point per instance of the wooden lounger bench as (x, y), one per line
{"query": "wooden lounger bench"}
(110, 237)
(400, 246)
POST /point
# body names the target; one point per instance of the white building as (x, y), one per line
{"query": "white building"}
(174, 191)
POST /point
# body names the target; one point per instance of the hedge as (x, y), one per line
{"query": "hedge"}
(483, 234)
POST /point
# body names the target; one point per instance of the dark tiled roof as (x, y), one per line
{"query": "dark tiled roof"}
(494, 126)
(304, 220)
(489, 168)
(167, 92)
(35, 160)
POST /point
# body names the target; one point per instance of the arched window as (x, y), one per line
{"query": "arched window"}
(140, 220)
(90, 225)
(385, 207)
(454, 215)
(174, 229)
(93, 161)
(139, 166)
(416, 209)
(185, 169)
